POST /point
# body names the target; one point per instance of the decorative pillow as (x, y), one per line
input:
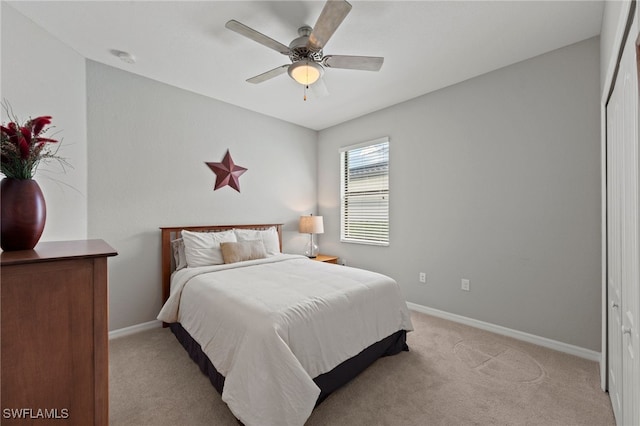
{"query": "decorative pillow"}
(242, 250)
(179, 258)
(268, 236)
(203, 248)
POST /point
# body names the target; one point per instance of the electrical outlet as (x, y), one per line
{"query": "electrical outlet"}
(465, 285)
(422, 277)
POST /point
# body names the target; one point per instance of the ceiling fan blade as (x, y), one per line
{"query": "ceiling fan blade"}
(330, 18)
(319, 89)
(366, 63)
(268, 75)
(254, 35)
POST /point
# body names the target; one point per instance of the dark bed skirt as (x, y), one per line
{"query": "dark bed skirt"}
(327, 382)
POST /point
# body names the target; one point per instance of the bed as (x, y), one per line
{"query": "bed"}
(275, 333)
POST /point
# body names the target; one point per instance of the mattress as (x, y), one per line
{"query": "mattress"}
(270, 326)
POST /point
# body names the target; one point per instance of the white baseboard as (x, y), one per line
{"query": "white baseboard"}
(520, 335)
(121, 332)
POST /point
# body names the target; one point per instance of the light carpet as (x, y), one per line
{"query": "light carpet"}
(453, 375)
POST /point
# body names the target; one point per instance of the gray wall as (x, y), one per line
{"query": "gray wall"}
(497, 180)
(147, 146)
(42, 76)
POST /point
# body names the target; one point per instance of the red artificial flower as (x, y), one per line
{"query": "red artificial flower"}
(7, 131)
(22, 147)
(13, 133)
(13, 127)
(38, 123)
(44, 140)
(26, 134)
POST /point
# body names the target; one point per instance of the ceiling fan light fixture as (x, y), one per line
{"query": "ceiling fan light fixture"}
(305, 72)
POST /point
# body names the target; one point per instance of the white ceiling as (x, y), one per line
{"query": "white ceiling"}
(427, 45)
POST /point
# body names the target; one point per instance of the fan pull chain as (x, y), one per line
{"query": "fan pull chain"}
(306, 86)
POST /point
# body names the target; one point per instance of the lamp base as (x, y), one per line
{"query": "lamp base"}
(311, 251)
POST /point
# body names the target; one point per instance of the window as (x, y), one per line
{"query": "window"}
(364, 193)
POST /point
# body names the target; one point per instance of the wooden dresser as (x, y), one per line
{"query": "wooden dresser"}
(54, 325)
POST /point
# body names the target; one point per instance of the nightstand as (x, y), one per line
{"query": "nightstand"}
(326, 258)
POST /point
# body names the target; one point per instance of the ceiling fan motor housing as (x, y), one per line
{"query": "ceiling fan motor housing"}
(298, 49)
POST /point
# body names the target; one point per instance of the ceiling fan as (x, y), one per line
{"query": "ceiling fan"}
(305, 52)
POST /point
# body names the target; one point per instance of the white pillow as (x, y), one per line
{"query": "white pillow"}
(268, 236)
(203, 248)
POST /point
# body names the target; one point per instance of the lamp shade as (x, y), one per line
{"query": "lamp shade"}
(311, 225)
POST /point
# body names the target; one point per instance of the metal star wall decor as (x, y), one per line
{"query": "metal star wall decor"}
(227, 173)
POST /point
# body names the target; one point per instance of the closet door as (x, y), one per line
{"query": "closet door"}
(614, 250)
(623, 239)
(630, 285)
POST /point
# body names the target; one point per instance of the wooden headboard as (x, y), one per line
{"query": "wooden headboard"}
(171, 233)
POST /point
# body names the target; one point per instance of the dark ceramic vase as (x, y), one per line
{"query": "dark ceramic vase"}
(23, 214)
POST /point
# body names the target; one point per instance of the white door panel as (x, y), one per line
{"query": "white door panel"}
(630, 285)
(613, 250)
(623, 239)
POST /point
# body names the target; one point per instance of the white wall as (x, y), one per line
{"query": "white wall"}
(148, 143)
(42, 76)
(495, 179)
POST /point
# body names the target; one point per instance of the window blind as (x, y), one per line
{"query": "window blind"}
(364, 192)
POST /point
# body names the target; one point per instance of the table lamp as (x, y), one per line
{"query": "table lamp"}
(311, 225)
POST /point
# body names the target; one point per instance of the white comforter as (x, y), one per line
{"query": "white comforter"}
(271, 325)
